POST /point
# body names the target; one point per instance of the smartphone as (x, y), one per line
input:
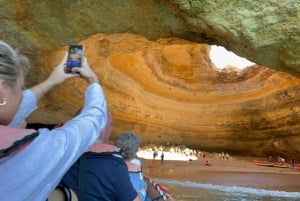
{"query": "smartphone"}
(75, 57)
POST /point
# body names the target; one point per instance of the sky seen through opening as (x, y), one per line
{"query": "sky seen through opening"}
(222, 58)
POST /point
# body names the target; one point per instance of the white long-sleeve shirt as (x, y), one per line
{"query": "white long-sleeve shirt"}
(28, 105)
(33, 173)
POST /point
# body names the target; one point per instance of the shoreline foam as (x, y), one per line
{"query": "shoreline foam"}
(237, 171)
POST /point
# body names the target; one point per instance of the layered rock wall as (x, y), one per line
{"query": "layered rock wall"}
(168, 91)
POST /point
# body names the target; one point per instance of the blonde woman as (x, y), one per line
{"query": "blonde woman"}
(32, 167)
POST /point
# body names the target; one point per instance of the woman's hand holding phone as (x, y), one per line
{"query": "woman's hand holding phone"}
(58, 76)
(77, 64)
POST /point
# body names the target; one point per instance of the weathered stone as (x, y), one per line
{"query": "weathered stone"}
(266, 33)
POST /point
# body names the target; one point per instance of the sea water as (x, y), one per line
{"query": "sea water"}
(191, 191)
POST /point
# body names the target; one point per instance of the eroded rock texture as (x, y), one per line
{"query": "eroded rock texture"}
(164, 88)
(264, 32)
(169, 91)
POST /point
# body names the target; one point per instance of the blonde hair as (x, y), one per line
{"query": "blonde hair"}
(12, 64)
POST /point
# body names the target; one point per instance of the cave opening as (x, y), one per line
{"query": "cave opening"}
(222, 58)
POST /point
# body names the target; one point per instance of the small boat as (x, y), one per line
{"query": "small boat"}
(281, 165)
(266, 164)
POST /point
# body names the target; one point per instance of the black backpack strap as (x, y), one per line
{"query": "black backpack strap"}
(81, 177)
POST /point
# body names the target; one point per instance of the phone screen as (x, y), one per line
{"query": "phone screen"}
(75, 55)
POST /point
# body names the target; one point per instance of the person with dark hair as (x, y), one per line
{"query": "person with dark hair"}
(33, 162)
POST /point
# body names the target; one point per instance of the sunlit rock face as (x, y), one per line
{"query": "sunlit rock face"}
(169, 91)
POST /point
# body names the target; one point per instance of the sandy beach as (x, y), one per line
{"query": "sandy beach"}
(236, 171)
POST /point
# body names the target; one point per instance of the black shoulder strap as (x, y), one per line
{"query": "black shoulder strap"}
(81, 177)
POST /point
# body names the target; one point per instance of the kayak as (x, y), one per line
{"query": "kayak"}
(266, 164)
(282, 166)
(154, 164)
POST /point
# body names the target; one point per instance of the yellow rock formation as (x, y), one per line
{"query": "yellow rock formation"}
(169, 91)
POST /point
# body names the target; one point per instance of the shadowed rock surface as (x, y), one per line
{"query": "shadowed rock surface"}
(160, 82)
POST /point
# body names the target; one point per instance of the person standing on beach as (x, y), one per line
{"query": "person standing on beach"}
(31, 173)
(162, 156)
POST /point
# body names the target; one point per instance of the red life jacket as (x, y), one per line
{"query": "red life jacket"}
(132, 167)
(13, 140)
(102, 147)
